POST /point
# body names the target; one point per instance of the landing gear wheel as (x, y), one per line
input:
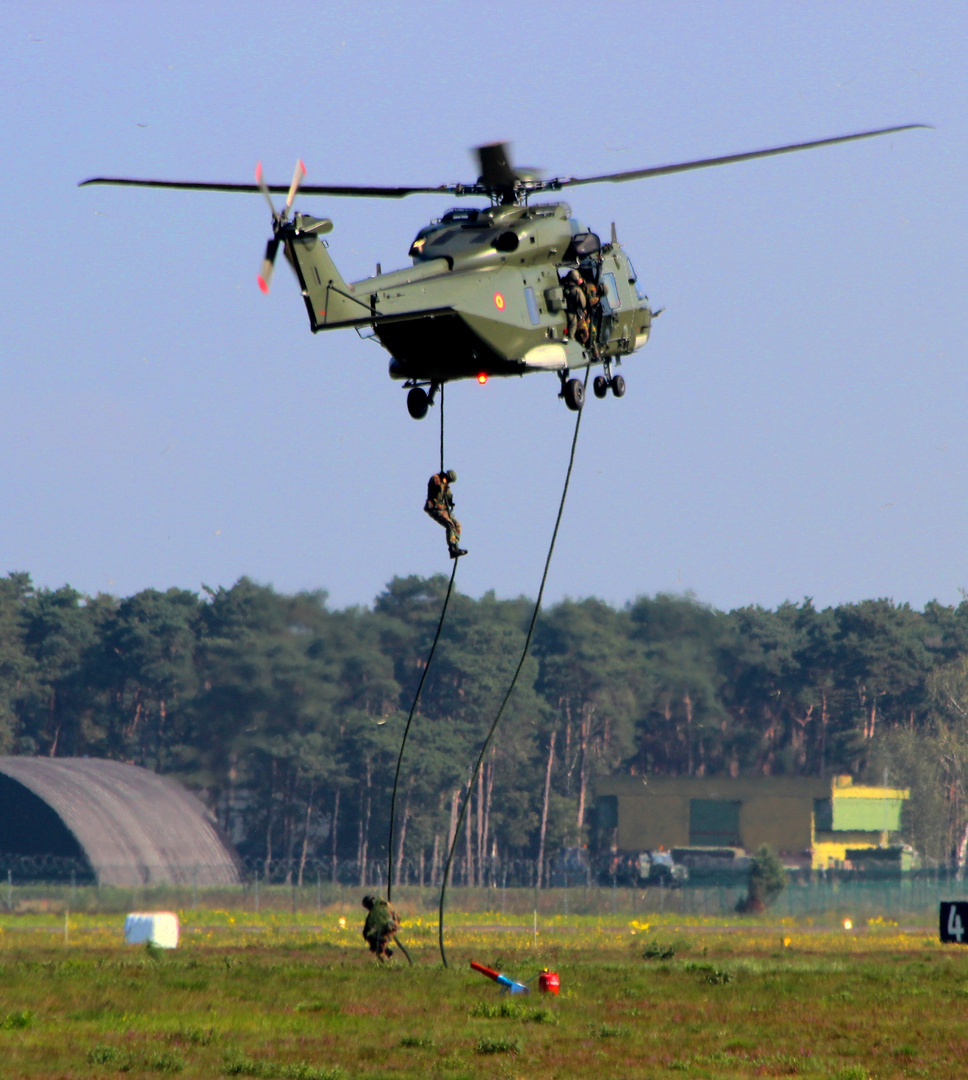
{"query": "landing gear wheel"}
(618, 386)
(418, 403)
(600, 386)
(574, 395)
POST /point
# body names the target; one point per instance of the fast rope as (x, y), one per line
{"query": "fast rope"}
(441, 427)
(507, 696)
(416, 697)
(406, 731)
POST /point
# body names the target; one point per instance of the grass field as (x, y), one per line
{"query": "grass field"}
(282, 995)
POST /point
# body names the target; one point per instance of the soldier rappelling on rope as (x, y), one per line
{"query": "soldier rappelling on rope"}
(440, 506)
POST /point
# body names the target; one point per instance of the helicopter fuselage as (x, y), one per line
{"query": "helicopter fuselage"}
(483, 296)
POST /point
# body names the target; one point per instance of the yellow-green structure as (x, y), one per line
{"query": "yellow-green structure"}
(795, 816)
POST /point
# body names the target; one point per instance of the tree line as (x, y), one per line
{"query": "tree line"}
(286, 716)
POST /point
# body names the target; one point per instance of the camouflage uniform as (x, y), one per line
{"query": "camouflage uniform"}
(576, 302)
(440, 506)
(583, 300)
(382, 923)
(594, 295)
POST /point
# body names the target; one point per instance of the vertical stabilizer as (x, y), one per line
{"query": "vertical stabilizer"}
(329, 299)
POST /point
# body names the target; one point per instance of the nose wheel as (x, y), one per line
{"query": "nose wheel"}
(419, 401)
(573, 391)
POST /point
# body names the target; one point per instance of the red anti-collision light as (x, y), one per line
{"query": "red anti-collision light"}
(482, 378)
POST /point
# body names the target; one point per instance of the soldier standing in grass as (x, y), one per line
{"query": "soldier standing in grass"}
(381, 925)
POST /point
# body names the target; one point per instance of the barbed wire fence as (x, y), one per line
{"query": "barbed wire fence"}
(43, 884)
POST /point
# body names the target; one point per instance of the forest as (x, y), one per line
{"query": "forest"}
(285, 716)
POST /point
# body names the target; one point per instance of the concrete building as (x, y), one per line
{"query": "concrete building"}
(801, 818)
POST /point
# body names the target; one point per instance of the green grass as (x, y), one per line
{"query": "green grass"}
(304, 1000)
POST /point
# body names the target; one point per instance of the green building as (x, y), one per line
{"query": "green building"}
(797, 817)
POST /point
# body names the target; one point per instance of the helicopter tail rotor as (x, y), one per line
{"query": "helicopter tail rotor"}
(264, 188)
(265, 273)
(278, 220)
(298, 175)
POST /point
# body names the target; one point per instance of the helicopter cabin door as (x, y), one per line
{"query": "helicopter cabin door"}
(611, 304)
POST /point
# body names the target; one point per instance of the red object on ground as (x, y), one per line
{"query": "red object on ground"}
(548, 982)
(489, 972)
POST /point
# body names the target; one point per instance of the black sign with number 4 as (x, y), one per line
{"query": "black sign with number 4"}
(954, 921)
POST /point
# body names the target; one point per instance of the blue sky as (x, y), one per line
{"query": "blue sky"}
(796, 427)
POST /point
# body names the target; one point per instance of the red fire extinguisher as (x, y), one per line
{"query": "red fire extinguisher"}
(548, 982)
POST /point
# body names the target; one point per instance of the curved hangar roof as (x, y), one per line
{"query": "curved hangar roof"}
(133, 826)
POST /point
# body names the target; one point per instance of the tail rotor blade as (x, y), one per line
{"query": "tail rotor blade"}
(264, 188)
(265, 273)
(297, 179)
(272, 247)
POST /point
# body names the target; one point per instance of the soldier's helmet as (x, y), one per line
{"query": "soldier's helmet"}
(574, 277)
(368, 902)
(451, 475)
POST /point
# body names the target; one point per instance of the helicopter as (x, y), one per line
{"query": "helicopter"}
(487, 292)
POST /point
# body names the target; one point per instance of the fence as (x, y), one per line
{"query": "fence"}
(57, 885)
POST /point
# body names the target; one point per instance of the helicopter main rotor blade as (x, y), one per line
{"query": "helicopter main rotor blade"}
(498, 178)
(278, 189)
(496, 171)
(729, 159)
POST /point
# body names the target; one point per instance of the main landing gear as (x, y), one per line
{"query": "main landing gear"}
(573, 390)
(601, 384)
(419, 401)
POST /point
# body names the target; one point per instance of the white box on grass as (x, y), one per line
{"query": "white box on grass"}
(158, 927)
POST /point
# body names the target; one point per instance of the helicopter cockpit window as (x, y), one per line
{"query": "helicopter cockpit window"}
(612, 297)
(586, 244)
(532, 303)
(634, 280)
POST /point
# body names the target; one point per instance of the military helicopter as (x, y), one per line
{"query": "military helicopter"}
(485, 294)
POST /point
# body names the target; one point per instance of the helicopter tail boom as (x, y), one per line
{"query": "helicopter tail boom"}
(329, 299)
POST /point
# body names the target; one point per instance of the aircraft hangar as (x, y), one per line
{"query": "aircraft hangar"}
(128, 825)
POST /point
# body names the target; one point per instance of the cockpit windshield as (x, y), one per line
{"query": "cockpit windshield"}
(634, 280)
